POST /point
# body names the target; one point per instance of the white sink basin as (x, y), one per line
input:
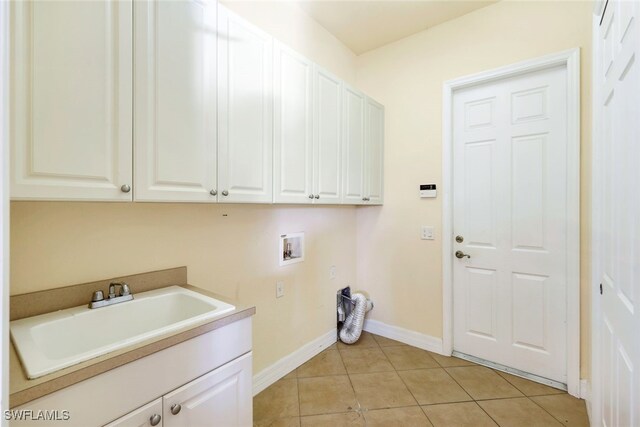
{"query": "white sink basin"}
(53, 341)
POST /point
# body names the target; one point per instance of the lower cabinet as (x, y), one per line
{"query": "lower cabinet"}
(201, 382)
(220, 398)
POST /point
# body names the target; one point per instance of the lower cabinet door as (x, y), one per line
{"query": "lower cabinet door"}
(148, 415)
(220, 398)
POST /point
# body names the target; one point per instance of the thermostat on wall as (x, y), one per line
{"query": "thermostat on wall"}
(427, 190)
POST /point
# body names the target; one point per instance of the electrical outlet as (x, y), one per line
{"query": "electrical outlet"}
(279, 289)
(332, 272)
(427, 233)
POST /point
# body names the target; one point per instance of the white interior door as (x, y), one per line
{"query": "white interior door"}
(510, 211)
(616, 216)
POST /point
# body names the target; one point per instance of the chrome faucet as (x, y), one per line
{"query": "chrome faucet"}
(98, 300)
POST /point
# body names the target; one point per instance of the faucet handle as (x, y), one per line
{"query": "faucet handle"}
(124, 290)
(97, 296)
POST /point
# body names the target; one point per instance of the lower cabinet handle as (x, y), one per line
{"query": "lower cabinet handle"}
(317, 196)
(155, 419)
(225, 193)
(175, 408)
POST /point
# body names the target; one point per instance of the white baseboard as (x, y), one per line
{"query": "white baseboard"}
(585, 393)
(282, 367)
(416, 339)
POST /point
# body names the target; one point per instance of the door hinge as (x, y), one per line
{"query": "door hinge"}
(600, 288)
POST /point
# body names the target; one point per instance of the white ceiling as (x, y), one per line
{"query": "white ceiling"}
(364, 25)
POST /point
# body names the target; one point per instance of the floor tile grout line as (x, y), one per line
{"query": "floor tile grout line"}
(521, 391)
(473, 398)
(355, 396)
(544, 409)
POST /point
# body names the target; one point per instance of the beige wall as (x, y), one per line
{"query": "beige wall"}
(231, 250)
(402, 273)
(58, 244)
(288, 23)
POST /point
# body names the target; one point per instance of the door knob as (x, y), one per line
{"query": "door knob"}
(155, 419)
(460, 255)
(459, 239)
(175, 408)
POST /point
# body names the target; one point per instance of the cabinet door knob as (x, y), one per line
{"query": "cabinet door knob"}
(213, 192)
(317, 196)
(155, 419)
(225, 193)
(125, 188)
(175, 408)
(311, 196)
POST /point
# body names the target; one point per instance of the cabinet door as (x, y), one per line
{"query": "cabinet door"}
(293, 127)
(327, 150)
(71, 81)
(222, 397)
(245, 111)
(141, 417)
(175, 108)
(353, 151)
(374, 152)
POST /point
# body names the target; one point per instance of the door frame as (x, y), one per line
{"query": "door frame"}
(570, 59)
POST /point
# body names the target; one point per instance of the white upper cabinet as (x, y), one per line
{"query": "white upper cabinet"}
(175, 101)
(327, 147)
(71, 100)
(374, 152)
(245, 111)
(292, 127)
(354, 143)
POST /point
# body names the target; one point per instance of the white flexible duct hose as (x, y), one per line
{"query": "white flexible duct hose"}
(352, 328)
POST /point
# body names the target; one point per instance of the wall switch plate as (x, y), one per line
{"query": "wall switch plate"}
(279, 289)
(332, 272)
(427, 233)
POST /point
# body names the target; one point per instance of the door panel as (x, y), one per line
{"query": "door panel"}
(175, 128)
(374, 152)
(354, 142)
(616, 215)
(510, 187)
(293, 129)
(245, 111)
(141, 417)
(327, 166)
(71, 100)
(220, 398)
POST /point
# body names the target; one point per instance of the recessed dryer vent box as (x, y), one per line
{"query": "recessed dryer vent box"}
(291, 248)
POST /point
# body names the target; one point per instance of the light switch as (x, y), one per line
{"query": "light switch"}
(427, 233)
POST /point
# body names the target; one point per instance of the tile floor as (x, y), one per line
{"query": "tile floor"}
(381, 382)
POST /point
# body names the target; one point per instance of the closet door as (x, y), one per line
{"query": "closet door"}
(353, 150)
(71, 97)
(327, 142)
(245, 111)
(293, 127)
(374, 152)
(175, 101)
